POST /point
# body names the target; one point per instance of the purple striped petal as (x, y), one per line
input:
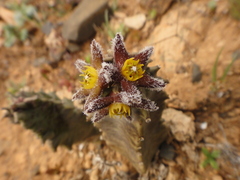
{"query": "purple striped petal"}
(98, 104)
(80, 94)
(146, 104)
(97, 57)
(144, 55)
(97, 116)
(119, 51)
(80, 65)
(153, 83)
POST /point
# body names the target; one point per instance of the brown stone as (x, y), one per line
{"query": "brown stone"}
(80, 25)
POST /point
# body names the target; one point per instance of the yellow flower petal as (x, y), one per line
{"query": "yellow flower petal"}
(119, 109)
(90, 77)
(132, 70)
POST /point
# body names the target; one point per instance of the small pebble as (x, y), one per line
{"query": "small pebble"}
(204, 125)
(196, 73)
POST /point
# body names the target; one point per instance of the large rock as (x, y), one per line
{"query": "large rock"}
(181, 125)
(80, 25)
(136, 21)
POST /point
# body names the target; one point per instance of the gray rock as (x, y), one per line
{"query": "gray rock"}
(73, 47)
(236, 55)
(80, 25)
(47, 27)
(167, 151)
(196, 73)
(181, 125)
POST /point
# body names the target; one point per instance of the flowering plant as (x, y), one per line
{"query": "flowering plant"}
(113, 88)
(118, 99)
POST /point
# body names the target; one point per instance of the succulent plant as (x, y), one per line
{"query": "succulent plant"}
(119, 102)
(113, 88)
(51, 118)
(123, 99)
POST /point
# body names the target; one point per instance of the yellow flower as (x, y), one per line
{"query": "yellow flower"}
(90, 77)
(132, 70)
(119, 109)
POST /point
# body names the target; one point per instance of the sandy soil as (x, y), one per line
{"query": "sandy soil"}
(187, 34)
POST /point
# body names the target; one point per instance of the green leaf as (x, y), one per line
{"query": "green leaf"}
(13, 87)
(10, 40)
(205, 151)
(214, 70)
(152, 14)
(213, 163)
(30, 11)
(23, 34)
(19, 18)
(205, 163)
(212, 5)
(88, 58)
(234, 9)
(215, 154)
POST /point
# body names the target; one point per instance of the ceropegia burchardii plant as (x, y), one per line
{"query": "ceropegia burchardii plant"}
(51, 118)
(118, 100)
(123, 99)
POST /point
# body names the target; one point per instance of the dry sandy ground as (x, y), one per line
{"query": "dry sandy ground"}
(188, 33)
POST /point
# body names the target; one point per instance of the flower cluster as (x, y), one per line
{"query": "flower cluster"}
(112, 88)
